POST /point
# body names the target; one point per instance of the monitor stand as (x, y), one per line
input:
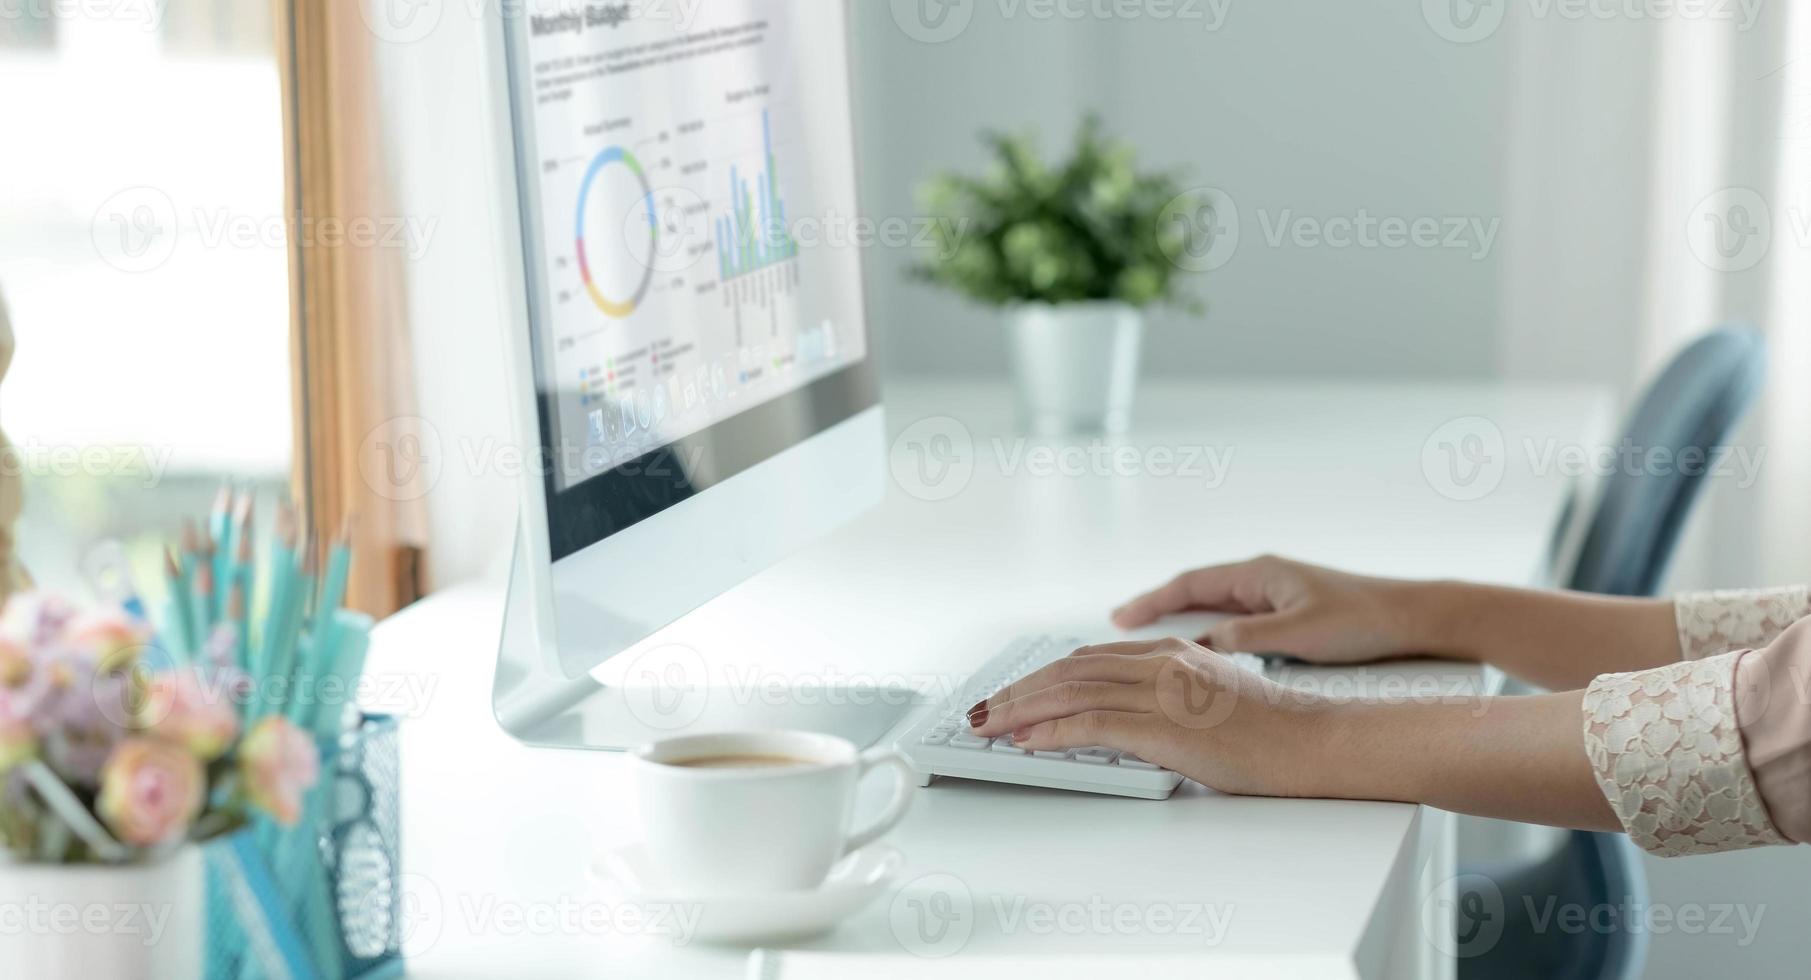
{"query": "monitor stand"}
(538, 705)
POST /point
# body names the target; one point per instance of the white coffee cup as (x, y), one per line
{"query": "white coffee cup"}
(731, 829)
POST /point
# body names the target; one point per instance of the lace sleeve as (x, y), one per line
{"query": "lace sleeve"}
(1668, 755)
(1715, 623)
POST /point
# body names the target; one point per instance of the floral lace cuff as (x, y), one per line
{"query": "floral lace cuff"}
(1715, 623)
(1668, 755)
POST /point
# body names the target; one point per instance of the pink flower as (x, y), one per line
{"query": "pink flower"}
(151, 791)
(35, 620)
(110, 635)
(180, 708)
(279, 764)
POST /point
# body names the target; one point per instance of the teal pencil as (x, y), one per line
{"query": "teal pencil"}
(354, 632)
(236, 615)
(290, 651)
(204, 598)
(285, 617)
(282, 586)
(333, 597)
(181, 623)
(220, 532)
(242, 579)
(191, 596)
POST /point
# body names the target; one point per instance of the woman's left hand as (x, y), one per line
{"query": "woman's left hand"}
(1170, 702)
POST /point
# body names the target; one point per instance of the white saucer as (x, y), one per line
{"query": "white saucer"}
(853, 883)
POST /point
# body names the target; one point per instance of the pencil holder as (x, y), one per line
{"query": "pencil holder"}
(321, 900)
(364, 848)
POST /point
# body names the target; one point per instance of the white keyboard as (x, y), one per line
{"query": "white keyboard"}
(941, 744)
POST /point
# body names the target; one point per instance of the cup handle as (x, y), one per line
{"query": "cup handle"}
(904, 785)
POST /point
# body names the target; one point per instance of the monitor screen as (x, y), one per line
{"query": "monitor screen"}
(687, 187)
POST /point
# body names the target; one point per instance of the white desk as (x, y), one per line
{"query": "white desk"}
(497, 835)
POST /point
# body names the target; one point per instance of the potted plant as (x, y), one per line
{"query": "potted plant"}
(113, 769)
(1072, 254)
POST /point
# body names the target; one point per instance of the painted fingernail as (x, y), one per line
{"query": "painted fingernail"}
(977, 715)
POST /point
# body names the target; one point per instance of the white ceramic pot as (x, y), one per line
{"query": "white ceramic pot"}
(1075, 366)
(132, 923)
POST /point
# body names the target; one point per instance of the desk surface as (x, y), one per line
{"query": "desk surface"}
(985, 536)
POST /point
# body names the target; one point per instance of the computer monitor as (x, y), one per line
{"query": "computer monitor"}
(690, 356)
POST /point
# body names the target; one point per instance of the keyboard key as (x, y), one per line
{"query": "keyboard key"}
(1131, 761)
(935, 738)
(1005, 745)
(1051, 755)
(969, 742)
(1096, 756)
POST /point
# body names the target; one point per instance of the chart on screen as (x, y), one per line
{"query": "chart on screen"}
(694, 198)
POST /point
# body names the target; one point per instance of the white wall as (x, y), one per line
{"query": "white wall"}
(1299, 109)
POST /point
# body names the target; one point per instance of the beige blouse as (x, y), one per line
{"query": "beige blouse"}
(1713, 753)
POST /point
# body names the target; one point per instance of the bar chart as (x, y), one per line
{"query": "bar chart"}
(755, 235)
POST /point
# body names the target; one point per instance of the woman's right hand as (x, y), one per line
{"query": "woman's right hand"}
(1282, 606)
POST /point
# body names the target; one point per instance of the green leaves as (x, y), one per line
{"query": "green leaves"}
(1089, 229)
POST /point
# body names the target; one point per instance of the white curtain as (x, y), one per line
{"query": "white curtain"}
(1629, 145)
(1658, 180)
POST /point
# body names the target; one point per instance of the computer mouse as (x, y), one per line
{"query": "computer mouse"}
(1188, 626)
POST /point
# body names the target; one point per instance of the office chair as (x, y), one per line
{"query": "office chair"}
(1694, 404)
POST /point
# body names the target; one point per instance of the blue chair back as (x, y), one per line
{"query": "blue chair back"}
(1691, 409)
(1509, 920)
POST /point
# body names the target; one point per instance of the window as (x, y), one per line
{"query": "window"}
(142, 255)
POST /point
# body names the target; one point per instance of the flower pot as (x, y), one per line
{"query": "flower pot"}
(1075, 366)
(137, 922)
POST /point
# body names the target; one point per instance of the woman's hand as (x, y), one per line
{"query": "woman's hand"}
(1192, 711)
(1170, 702)
(1281, 606)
